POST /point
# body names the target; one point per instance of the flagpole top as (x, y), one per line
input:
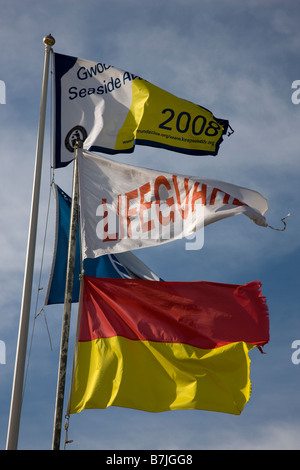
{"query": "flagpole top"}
(78, 144)
(49, 40)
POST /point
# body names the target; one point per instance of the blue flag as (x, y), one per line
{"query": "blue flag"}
(124, 265)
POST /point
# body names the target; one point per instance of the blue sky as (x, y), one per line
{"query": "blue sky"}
(239, 60)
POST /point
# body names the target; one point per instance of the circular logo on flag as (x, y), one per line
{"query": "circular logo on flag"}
(76, 133)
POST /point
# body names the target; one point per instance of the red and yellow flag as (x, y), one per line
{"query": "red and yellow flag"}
(158, 346)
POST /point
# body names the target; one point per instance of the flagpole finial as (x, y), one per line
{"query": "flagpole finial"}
(49, 40)
(78, 144)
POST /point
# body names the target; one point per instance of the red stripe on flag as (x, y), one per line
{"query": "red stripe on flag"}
(201, 314)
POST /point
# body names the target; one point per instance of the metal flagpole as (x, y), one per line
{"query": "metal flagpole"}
(17, 392)
(67, 306)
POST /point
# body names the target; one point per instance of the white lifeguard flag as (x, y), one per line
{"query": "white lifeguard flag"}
(112, 110)
(124, 207)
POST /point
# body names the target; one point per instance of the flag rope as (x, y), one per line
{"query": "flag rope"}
(39, 289)
(284, 224)
(230, 133)
(52, 182)
(66, 427)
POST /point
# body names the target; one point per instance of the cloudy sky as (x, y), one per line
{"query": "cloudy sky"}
(237, 59)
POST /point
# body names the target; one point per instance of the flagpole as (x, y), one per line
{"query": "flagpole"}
(67, 306)
(18, 382)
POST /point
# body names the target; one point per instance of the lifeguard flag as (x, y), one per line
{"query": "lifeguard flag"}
(125, 207)
(112, 110)
(124, 265)
(158, 346)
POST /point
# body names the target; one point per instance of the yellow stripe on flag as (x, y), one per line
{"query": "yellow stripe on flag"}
(156, 117)
(154, 376)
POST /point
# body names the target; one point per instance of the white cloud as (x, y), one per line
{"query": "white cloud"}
(271, 436)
